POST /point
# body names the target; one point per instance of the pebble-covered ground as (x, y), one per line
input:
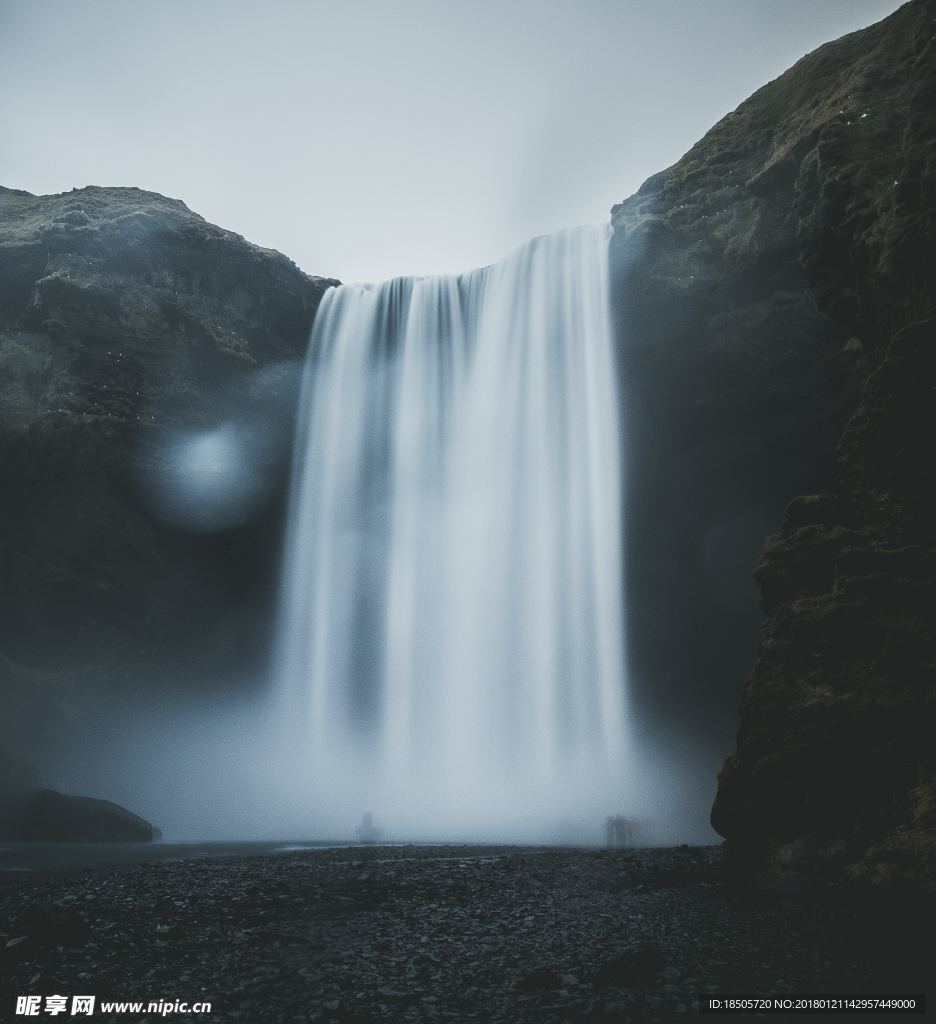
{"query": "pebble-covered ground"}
(474, 934)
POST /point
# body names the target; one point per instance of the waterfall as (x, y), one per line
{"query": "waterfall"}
(450, 637)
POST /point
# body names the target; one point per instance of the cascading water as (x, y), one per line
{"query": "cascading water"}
(450, 645)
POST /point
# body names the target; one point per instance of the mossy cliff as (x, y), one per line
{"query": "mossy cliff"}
(125, 317)
(775, 295)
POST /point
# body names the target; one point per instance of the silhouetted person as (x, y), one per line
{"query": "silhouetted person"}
(620, 831)
(632, 829)
(367, 831)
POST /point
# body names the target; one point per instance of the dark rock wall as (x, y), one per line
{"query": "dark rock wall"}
(835, 764)
(767, 286)
(125, 317)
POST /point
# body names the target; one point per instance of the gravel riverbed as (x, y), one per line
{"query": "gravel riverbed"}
(474, 934)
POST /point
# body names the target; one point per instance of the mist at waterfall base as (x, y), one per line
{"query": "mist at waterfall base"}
(213, 768)
(449, 651)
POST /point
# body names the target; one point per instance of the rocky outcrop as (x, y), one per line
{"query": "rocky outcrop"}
(770, 290)
(31, 812)
(835, 765)
(127, 321)
(52, 817)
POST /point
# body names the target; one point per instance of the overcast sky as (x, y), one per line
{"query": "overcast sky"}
(370, 138)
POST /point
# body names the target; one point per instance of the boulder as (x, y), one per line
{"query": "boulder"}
(52, 817)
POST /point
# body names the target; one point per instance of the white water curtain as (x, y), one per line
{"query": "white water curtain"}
(450, 640)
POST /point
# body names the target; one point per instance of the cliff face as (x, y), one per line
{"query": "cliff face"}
(772, 287)
(835, 764)
(127, 321)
